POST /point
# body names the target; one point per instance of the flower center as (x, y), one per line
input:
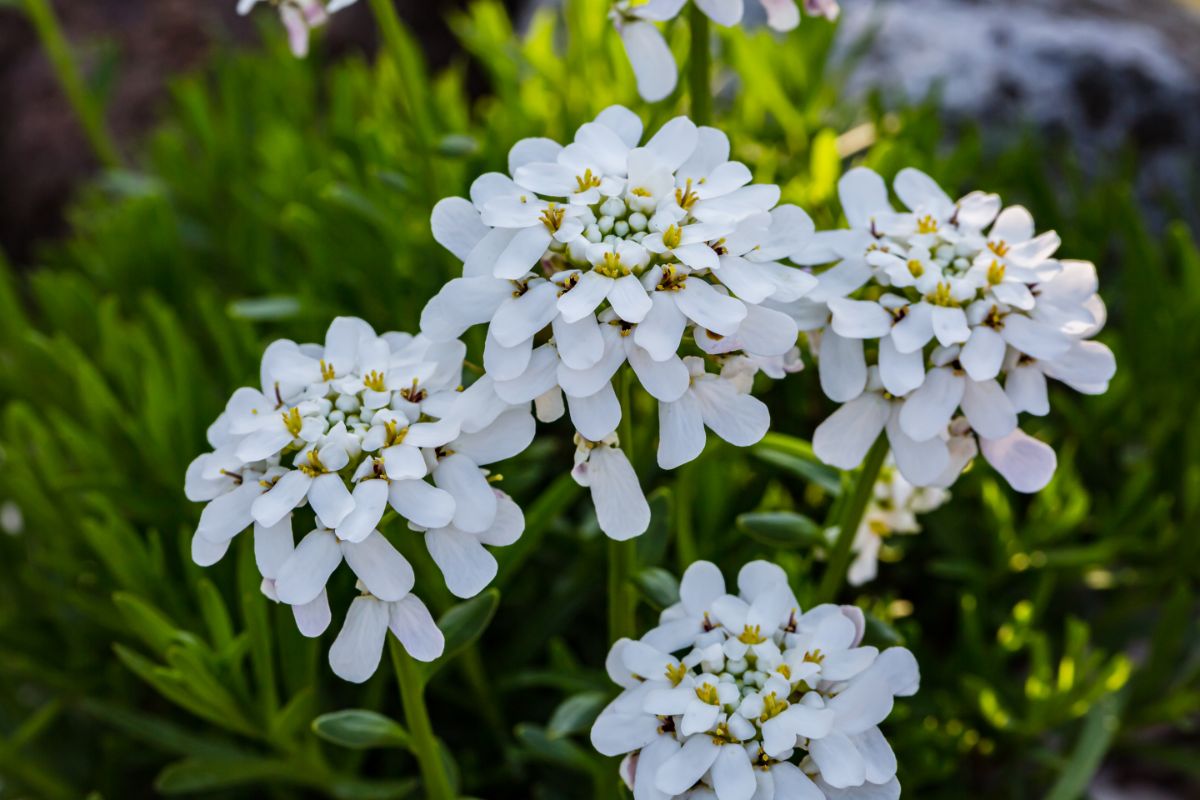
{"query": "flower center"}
(327, 373)
(1000, 248)
(685, 197)
(314, 467)
(927, 224)
(914, 268)
(586, 181)
(291, 418)
(751, 634)
(612, 266)
(672, 236)
(941, 296)
(995, 273)
(373, 380)
(671, 280)
(708, 694)
(675, 673)
(552, 217)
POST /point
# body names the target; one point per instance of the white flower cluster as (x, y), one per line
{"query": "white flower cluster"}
(763, 703)
(946, 308)
(648, 52)
(348, 429)
(893, 508)
(299, 17)
(604, 252)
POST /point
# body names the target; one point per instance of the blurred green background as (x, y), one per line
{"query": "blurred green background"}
(1057, 635)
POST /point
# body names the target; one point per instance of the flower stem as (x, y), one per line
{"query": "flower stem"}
(66, 70)
(700, 67)
(622, 556)
(853, 508)
(425, 745)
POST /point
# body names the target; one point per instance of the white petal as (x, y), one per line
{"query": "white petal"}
(580, 344)
(709, 308)
(949, 325)
(206, 552)
(649, 760)
(988, 409)
(370, 500)
(330, 499)
(900, 373)
(745, 279)
(629, 299)
(508, 525)
(702, 583)
(421, 504)
(505, 363)
(864, 195)
(519, 318)
(651, 59)
(313, 617)
(523, 252)
(1026, 463)
(461, 303)
(732, 775)
(766, 332)
(859, 319)
(662, 329)
(456, 226)
(621, 507)
(540, 378)
(475, 502)
(740, 419)
(792, 784)
(626, 124)
(921, 463)
(877, 755)
(927, 411)
(844, 438)
(665, 381)
(1025, 386)
(918, 191)
(1086, 367)
(916, 329)
(412, 624)
(842, 367)
(597, 415)
(509, 435)
(722, 12)
(466, 565)
(355, 654)
(532, 151)
(983, 354)
(582, 299)
(681, 431)
(303, 576)
(674, 142)
(231, 513)
(404, 462)
(838, 759)
(380, 567)
(1034, 338)
(681, 771)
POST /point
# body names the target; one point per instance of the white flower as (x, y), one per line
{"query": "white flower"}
(348, 429)
(355, 654)
(740, 697)
(606, 252)
(621, 507)
(299, 17)
(893, 508)
(962, 309)
(648, 52)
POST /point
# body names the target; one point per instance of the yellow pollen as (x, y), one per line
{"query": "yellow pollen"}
(721, 735)
(1000, 248)
(685, 197)
(927, 224)
(374, 381)
(291, 418)
(995, 273)
(784, 670)
(708, 694)
(413, 394)
(772, 707)
(672, 236)
(640, 192)
(719, 247)
(675, 673)
(326, 371)
(751, 634)
(671, 280)
(612, 266)
(879, 528)
(994, 319)
(586, 181)
(915, 268)
(941, 296)
(314, 467)
(552, 217)
(814, 657)
(394, 433)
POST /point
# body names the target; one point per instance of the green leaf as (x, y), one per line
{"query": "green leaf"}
(782, 529)
(559, 751)
(796, 456)
(464, 624)
(658, 586)
(151, 625)
(1099, 728)
(359, 729)
(258, 309)
(206, 774)
(576, 714)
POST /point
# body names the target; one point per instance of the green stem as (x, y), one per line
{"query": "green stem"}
(66, 70)
(700, 68)
(685, 531)
(425, 744)
(853, 508)
(622, 556)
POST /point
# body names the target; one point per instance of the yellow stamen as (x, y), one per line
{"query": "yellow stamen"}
(995, 273)
(927, 224)
(685, 197)
(291, 418)
(394, 434)
(612, 266)
(814, 657)
(671, 280)
(722, 735)
(941, 296)
(552, 217)
(326, 371)
(586, 181)
(314, 467)
(675, 673)
(915, 268)
(374, 381)
(640, 192)
(785, 671)
(1000, 248)
(772, 707)
(672, 236)
(751, 634)
(708, 694)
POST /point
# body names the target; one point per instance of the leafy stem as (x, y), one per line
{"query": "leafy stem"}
(853, 508)
(424, 744)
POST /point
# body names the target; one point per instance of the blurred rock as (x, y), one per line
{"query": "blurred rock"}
(1105, 74)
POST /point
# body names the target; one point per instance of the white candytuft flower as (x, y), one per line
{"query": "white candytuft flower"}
(742, 696)
(605, 253)
(299, 17)
(349, 429)
(948, 307)
(653, 64)
(893, 508)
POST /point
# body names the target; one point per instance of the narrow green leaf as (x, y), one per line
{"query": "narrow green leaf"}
(782, 529)
(464, 624)
(658, 586)
(575, 714)
(560, 751)
(359, 729)
(151, 625)
(1099, 728)
(206, 774)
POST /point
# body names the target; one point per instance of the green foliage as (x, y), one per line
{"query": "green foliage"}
(1054, 632)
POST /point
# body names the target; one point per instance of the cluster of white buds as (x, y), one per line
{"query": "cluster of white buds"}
(348, 429)
(947, 308)
(604, 252)
(894, 507)
(735, 697)
(299, 17)
(650, 56)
